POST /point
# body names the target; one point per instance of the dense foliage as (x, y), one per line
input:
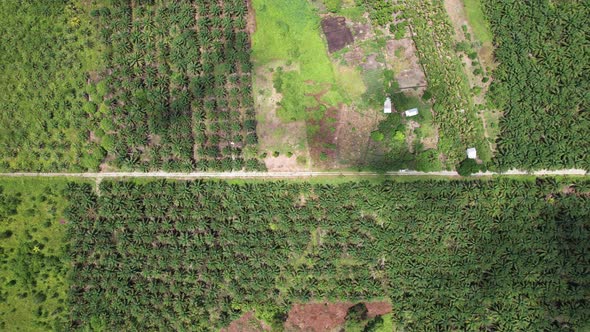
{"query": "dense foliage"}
(450, 255)
(542, 82)
(179, 85)
(455, 114)
(47, 50)
(33, 273)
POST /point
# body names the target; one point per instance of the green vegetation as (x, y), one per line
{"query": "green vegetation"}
(357, 320)
(33, 277)
(449, 255)
(179, 85)
(290, 32)
(541, 83)
(393, 130)
(477, 20)
(468, 167)
(455, 114)
(380, 11)
(47, 51)
(333, 6)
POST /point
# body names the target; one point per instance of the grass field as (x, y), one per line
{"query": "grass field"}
(477, 21)
(46, 52)
(33, 278)
(289, 31)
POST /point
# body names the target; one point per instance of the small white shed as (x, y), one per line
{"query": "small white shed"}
(411, 112)
(387, 106)
(472, 153)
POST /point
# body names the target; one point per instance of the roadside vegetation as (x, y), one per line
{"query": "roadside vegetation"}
(541, 83)
(448, 255)
(48, 50)
(34, 275)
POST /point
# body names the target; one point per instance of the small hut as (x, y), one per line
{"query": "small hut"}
(387, 106)
(411, 112)
(472, 153)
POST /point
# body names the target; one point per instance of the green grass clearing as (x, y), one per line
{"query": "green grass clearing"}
(477, 20)
(290, 31)
(34, 279)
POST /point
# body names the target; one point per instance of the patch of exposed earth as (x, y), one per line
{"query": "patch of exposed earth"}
(353, 134)
(411, 126)
(273, 133)
(324, 317)
(246, 323)
(362, 31)
(402, 57)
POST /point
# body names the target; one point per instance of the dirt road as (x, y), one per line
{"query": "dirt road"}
(279, 175)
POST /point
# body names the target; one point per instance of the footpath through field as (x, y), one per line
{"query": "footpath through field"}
(299, 174)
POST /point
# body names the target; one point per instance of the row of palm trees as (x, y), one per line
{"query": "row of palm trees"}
(448, 254)
(180, 85)
(435, 42)
(540, 84)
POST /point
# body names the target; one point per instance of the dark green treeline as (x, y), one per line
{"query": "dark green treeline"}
(449, 255)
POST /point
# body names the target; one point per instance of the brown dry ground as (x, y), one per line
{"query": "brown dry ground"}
(408, 71)
(337, 34)
(273, 133)
(362, 31)
(250, 19)
(324, 317)
(246, 323)
(353, 135)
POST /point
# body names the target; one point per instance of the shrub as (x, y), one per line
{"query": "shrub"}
(427, 95)
(89, 108)
(377, 136)
(468, 167)
(427, 161)
(333, 6)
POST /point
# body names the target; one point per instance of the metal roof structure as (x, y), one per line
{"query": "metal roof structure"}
(411, 112)
(387, 106)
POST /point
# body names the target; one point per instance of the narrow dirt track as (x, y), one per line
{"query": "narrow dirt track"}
(286, 175)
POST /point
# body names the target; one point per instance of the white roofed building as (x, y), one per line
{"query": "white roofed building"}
(411, 112)
(387, 106)
(472, 153)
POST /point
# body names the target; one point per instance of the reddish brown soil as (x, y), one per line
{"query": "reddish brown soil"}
(246, 323)
(324, 139)
(250, 19)
(323, 317)
(337, 33)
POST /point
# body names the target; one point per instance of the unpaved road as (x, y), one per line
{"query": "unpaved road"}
(279, 175)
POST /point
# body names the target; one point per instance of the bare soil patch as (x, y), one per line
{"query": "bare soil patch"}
(323, 317)
(354, 57)
(247, 323)
(337, 33)
(362, 31)
(353, 135)
(403, 59)
(322, 142)
(250, 19)
(273, 133)
(411, 134)
(283, 163)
